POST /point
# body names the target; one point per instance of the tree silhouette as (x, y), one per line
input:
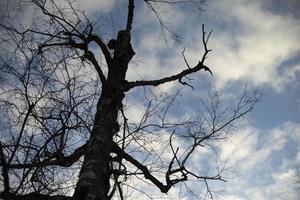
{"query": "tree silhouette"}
(64, 125)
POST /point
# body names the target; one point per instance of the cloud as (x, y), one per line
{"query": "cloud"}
(231, 197)
(265, 161)
(252, 44)
(91, 5)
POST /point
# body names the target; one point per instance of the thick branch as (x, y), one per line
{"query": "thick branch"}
(103, 48)
(163, 188)
(60, 160)
(179, 76)
(91, 57)
(87, 53)
(72, 31)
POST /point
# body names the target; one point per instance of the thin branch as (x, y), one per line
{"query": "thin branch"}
(31, 106)
(186, 62)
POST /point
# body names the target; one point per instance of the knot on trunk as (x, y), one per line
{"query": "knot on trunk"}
(123, 48)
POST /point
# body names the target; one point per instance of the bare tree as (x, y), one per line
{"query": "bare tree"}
(64, 125)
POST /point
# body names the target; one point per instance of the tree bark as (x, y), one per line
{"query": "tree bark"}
(95, 173)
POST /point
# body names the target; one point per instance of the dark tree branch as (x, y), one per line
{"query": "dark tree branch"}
(164, 188)
(31, 106)
(91, 57)
(87, 53)
(179, 76)
(147, 174)
(198, 67)
(184, 58)
(130, 15)
(60, 20)
(73, 31)
(59, 160)
(102, 46)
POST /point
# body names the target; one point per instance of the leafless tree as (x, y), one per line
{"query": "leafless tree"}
(64, 127)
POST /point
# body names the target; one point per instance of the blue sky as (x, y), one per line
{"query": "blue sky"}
(254, 43)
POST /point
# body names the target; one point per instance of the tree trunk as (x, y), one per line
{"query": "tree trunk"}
(95, 173)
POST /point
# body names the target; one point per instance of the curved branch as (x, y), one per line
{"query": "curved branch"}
(163, 188)
(91, 57)
(103, 48)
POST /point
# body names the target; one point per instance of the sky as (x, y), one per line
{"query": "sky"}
(254, 43)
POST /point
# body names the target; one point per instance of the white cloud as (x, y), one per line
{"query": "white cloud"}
(265, 161)
(103, 5)
(240, 148)
(264, 164)
(231, 197)
(252, 44)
